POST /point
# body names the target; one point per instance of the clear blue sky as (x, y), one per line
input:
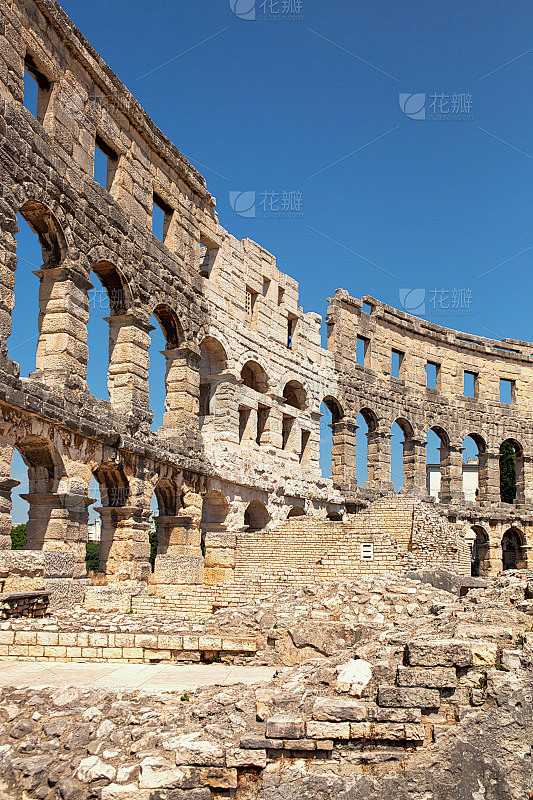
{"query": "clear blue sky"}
(265, 105)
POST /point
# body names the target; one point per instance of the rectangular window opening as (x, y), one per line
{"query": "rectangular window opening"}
(432, 375)
(291, 331)
(366, 308)
(208, 254)
(37, 89)
(105, 163)
(367, 551)
(262, 419)
(362, 346)
(249, 303)
(205, 399)
(470, 384)
(266, 287)
(286, 431)
(507, 391)
(281, 294)
(161, 217)
(304, 447)
(244, 416)
(396, 363)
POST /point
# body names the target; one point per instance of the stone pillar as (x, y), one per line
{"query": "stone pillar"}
(129, 362)
(182, 382)
(489, 478)
(524, 480)
(62, 351)
(6, 485)
(219, 555)
(58, 522)
(184, 565)
(378, 459)
(177, 535)
(451, 484)
(414, 466)
(124, 543)
(343, 452)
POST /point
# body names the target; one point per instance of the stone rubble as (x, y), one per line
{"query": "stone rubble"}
(434, 705)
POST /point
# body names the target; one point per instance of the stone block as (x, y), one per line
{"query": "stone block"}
(253, 742)
(440, 653)
(327, 730)
(237, 757)
(484, 654)
(179, 570)
(394, 696)
(433, 678)
(58, 564)
(338, 709)
(284, 726)
(377, 714)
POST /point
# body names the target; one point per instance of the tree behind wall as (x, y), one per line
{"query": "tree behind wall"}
(507, 473)
(18, 537)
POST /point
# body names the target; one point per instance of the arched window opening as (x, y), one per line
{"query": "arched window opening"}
(166, 364)
(114, 492)
(22, 341)
(480, 552)
(401, 436)
(92, 548)
(437, 448)
(213, 363)
(43, 472)
(295, 395)
(254, 377)
(256, 516)
(512, 554)
(19, 509)
(331, 438)
(366, 425)
(164, 508)
(296, 511)
(473, 448)
(511, 471)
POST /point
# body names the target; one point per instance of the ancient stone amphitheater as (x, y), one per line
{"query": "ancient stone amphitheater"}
(243, 508)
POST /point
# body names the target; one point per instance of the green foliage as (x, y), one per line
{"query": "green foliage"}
(18, 537)
(507, 473)
(185, 698)
(92, 556)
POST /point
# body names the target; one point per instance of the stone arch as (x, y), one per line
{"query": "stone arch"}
(512, 479)
(44, 223)
(254, 377)
(296, 511)
(371, 419)
(474, 467)
(215, 509)
(256, 516)
(480, 552)
(408, 465)
(213, 363)
(295, 395)
(170, 325)
(115, 284)
(337, 449)
(512, 552)
(438, 478)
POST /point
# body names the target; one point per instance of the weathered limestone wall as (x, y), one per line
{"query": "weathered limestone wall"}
(245, 373)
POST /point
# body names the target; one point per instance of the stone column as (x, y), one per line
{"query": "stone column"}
(62, 351)
(343, 453)
(414, 466)
(124, 543)
(219, 555)
(379, 455)
(524, 480)
(129, 362)
(184, 565)
(6, 485)
(182, 382)
(489, 478)
(58, 523)
(177, 535)
(451, 485)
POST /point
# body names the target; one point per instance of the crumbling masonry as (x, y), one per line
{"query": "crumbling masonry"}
(238, 451)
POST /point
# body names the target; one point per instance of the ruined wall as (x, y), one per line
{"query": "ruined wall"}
(245, 373)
